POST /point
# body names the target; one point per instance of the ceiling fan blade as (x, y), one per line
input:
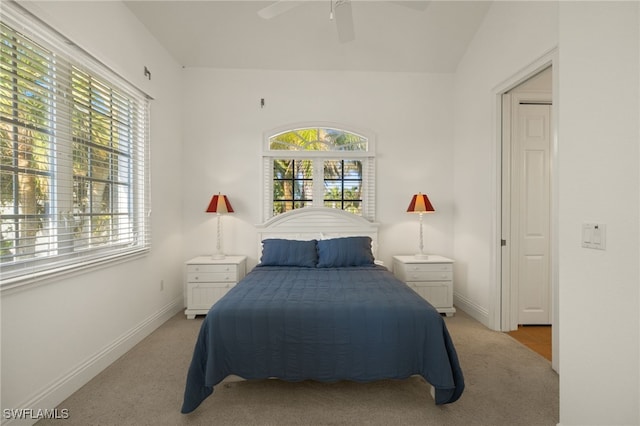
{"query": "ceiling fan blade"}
(344, 21)
(412, 4)
(277, 8)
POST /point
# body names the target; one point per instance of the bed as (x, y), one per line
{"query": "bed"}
(319, 307)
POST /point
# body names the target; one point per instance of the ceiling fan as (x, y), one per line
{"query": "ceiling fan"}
(340, 10)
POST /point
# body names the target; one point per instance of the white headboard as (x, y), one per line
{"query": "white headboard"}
(319, 223)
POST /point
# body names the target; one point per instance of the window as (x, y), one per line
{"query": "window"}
(319, 166)
(292, 184)
(73, 141)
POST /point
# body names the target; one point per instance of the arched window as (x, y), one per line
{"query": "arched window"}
(319, 166)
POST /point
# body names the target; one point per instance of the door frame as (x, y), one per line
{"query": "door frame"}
(500, 294)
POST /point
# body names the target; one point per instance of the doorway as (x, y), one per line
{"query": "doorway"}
(527, 152)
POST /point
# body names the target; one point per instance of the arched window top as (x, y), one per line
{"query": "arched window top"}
(318, 139)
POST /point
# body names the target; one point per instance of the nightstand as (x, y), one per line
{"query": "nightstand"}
(207, 280)
(431, 278)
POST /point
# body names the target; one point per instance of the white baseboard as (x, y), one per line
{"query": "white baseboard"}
(56, 392)
(476, 311)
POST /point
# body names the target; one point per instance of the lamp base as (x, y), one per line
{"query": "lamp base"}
(421, 256)
(217, 256)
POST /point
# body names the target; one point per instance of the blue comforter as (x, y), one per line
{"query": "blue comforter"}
(324, 324)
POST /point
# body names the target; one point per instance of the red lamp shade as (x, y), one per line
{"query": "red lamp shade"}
(420, 204)
(219, 204)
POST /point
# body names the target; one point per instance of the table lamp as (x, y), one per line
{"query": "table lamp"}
(219, 205)
(420, 204)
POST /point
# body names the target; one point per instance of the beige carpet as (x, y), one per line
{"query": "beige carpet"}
(506, 384)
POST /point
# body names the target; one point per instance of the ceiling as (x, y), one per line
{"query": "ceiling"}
(389, 35)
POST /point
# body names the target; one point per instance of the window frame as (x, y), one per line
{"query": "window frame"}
(319, 157)
(58, 258)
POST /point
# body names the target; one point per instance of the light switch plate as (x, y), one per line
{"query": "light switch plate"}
(594, 235)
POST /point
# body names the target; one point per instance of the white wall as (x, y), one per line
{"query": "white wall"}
(410, 115)
(599, 181)
(58, 335)
(512, 36)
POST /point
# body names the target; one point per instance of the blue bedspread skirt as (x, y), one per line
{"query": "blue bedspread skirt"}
(359, 324)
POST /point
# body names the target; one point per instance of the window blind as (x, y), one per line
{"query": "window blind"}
(75, 143)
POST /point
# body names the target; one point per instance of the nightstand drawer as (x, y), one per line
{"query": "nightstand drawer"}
(428, 276)
(423, 271)
(428, 267)
(212, 268)
(439, 294)
(211, 277)
(204, 295)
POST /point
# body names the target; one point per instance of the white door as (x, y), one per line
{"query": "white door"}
(530, 198)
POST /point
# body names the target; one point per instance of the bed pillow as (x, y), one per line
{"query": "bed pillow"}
(281, 252)
(348, 251)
